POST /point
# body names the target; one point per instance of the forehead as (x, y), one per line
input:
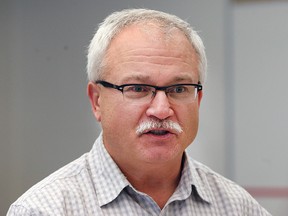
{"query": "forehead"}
(151, 33)
(146, 50)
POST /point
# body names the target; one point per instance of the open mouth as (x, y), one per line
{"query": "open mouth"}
(158, 132)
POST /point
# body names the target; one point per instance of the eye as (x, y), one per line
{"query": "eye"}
(177, 89)
(136, 91)
(137, 88)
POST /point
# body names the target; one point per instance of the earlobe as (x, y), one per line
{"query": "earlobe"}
(93, 92)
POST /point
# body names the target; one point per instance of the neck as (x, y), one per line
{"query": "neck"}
(158, 181)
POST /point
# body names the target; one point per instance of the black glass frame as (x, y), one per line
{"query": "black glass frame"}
(157, 88)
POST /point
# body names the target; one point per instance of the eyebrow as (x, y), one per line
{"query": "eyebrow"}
(147, 79)
(137, 78)
(184, 78)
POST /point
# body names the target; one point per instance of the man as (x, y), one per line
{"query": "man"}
(146, 69)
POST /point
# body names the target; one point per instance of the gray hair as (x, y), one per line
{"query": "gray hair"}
(115, 22)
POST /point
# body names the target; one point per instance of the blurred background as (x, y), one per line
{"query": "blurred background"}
(45, 117)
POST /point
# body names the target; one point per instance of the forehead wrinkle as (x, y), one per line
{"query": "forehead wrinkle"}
(158, 52)
(159, 56)
(162, 61)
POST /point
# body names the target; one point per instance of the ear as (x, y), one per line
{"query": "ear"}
(93, 92)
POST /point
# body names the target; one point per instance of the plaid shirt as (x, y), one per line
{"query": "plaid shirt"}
(94, 185)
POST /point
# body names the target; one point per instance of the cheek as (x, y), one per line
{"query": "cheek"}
(187, 114)
(189, 119)
(118, 116)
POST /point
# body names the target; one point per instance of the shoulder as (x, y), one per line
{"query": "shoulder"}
(54, 191)
(222, 191)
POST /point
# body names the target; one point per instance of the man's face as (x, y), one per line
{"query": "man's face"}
(137, 55)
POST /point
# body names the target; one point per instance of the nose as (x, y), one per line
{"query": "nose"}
(160, 106)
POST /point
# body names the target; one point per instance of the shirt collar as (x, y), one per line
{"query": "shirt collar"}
(198, 180)
(108, 179)
(191, 183)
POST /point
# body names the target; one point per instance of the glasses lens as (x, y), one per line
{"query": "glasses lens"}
(137, 93)
(182, 93)
(141, 94)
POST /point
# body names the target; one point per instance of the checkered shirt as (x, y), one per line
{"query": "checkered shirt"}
(94, 185)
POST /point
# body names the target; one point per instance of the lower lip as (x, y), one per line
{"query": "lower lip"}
(159, 137)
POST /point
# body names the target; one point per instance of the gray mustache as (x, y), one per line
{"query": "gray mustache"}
(153, 124)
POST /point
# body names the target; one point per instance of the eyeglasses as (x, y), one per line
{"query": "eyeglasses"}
(144, 93)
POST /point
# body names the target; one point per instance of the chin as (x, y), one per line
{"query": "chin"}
(162, 154)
